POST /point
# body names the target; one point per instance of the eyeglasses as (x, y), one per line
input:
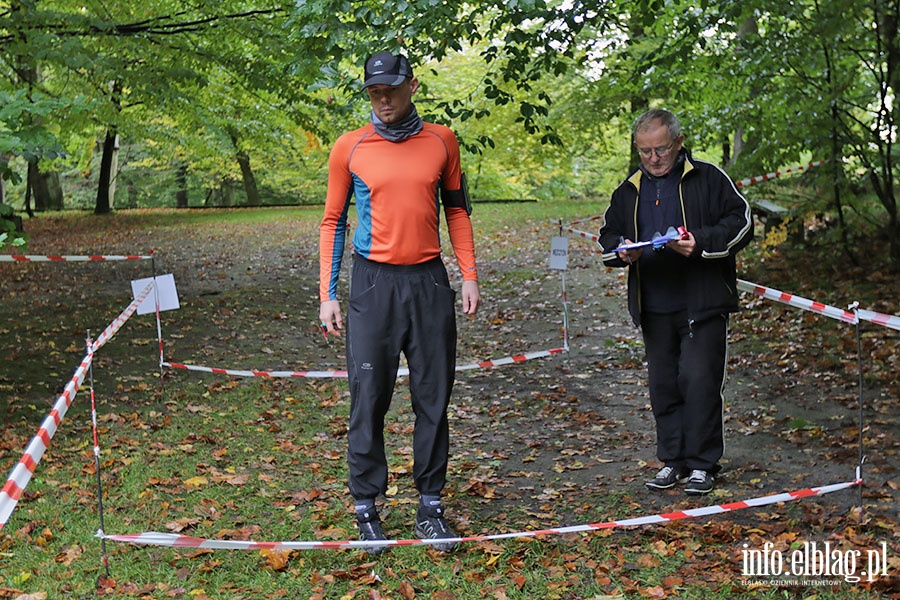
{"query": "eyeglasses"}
(660, 151)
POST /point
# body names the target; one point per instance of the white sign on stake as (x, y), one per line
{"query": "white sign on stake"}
(559, 253)
(165, 286)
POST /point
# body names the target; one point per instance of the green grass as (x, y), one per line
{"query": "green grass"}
(486, 216)
(264, 460)
(240, 460)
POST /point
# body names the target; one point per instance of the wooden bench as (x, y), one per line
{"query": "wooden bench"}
(770, 213)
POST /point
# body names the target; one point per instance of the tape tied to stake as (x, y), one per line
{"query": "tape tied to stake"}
(847, 316)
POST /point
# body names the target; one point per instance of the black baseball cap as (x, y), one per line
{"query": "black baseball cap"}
(385, 68)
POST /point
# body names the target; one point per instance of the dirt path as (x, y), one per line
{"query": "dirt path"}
(584, 421)
(572, 425)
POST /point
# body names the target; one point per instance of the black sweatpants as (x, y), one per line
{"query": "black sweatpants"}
(686, 376)
(394, 309)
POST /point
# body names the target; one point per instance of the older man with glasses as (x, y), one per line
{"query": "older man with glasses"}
(680, 292)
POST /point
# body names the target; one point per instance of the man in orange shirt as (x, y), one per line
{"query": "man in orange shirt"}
(400, 170)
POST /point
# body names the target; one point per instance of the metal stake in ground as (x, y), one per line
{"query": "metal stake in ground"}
(862, 458)
(559, 260)
(104, 560)
(158, 325)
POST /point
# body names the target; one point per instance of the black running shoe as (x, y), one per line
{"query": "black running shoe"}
(699, 483)
(370, 530)
(430, 525)
(666, 478)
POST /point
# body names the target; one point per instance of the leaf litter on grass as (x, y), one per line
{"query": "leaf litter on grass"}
(547, 443)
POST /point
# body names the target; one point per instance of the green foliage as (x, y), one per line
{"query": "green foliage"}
(541, 92)
(24, 129)
(9, 234)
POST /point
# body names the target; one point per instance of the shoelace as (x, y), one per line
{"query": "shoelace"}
(698, 475)
(433, 526)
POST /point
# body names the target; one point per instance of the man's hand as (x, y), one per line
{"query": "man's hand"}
(684, 246)
(471, 297)
(330, 317)
(630, 256)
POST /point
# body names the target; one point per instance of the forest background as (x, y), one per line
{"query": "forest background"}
(111, 107)
(166, 103)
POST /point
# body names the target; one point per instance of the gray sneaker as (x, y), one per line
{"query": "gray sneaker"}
(667, 477)
(430, 525)
(700, 482)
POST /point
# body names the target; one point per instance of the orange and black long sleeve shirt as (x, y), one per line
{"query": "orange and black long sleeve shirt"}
(397, 187)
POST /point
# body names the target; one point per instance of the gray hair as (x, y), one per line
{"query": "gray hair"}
(643, 122)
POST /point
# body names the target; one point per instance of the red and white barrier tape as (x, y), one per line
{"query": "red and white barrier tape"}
(798, 302)
(767, 176)
(338, 374)
(184, 541)
(22, 472)
(518, 358)
(243, 373)
(577, 232)
(847, 316)
(117, 323)
(59, 258)
(880, 319)
(580, 221)
(583, 234)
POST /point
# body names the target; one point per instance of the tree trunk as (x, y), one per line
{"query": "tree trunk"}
(45, 188)
(748, 27)
(221, 194)
(639, 105)
(181, 195)
(837, 152)
(28, 195)
(4, 171)
(891, 40)
(226, 192)
(114, 171)
(738, 145)
(54, 190)
(104, 202)
(132, 194)
(38, 187)
(249, 179)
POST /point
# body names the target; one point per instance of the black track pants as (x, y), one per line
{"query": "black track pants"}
(686, 376)
(394, 309)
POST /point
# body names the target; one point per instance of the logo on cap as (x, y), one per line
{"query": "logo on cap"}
(385, 68)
